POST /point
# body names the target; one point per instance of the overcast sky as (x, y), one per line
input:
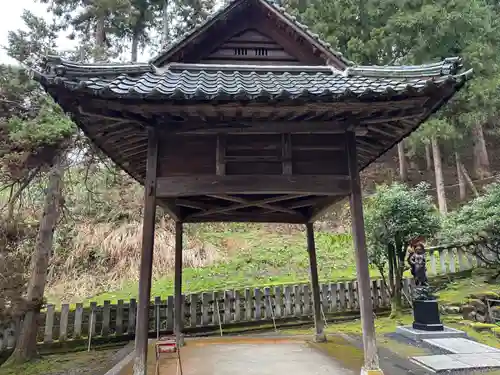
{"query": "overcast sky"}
(10, 19)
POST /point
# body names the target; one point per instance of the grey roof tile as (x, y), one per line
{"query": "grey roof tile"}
(206, 81)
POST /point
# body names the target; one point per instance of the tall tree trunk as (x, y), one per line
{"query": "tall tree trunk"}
(403, 168)
(438, 171)
(469, 180)
(166, 30)
(135, 46)
(100, 38)
(461, 177)
(26, 345)
(481, 160)
(428, 157)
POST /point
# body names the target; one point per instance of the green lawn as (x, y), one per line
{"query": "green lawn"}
(255, 257)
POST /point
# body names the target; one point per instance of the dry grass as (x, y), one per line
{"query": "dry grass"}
(105, 255)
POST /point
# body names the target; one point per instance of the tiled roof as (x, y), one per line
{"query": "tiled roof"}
(270, 5)
(200, 82)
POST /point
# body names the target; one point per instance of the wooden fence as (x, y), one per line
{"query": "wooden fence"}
(211, 309)
(451, 258)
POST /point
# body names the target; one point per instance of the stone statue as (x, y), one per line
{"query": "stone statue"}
(416, 260)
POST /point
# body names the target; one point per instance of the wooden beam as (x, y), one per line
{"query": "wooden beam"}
(148, 235)
(192, 204)
(265, 205)
(313, 268)
(253, 158)
(182, 186)
(305, 203)
(258, 203)
(154, 108)
(371, 360)
(257, 217)
(377, 129)
(319, 148)
(170, 208)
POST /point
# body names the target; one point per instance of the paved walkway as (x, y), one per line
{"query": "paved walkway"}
(249, 356)
(259, 359)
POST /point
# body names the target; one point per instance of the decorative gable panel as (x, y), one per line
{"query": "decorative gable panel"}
(250, 47)
(251, 32)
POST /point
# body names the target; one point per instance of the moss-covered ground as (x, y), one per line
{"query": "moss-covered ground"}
(95, 362)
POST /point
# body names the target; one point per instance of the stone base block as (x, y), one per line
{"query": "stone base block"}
(426, 315)
(371, 372)
(418, 335)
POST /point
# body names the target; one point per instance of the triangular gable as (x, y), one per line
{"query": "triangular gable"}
(242, 16)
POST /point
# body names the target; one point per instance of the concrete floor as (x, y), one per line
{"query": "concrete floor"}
(247, 357)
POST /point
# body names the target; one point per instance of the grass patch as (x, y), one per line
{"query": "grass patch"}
(387, 325)
(457, 291)
(94, 362)
(343, 351)
(255, 257)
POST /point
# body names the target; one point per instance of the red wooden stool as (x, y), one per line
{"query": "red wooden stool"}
(167, 345)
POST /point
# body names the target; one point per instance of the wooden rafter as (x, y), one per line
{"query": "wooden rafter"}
(244, 203)
(266, 206)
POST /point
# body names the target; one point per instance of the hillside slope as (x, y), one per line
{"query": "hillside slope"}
(97, 248)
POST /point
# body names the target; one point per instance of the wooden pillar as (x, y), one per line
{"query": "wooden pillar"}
(313, 266)
(148, 234)
(178, 320)
(371, 360)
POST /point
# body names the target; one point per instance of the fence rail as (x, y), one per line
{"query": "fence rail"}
(209, 309)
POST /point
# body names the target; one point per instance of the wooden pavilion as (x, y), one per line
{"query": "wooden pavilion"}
(250, 117)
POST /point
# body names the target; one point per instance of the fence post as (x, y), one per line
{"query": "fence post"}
(227, 306)
(278, 302)
(63, 324)
(119, 318)
(350, 295)
(106, 312)
(49, 323)
(132, 308)
(77, 332)
(248, 304)
(92, 318)
(333, 297)
(307, 300)
(288, 300)
(170, 312)
(298, 300)
(237, 306)
(205, 308)
(258, 300)
(341, 287)
(193, 310)
(442, 262)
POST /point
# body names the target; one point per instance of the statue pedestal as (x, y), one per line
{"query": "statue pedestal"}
(426, 315)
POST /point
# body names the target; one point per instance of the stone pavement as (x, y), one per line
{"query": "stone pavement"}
(463, 354)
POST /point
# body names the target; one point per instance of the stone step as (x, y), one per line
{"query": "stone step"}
(460, 346)
(449, 362)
